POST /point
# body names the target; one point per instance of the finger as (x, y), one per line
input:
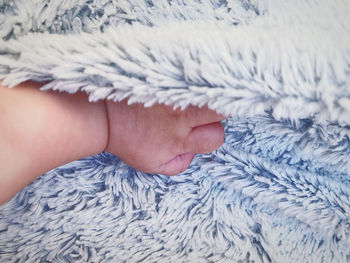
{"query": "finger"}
(176, 165)
(205, 138)
(201, 116)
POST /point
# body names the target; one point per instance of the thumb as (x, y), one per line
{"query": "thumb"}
(202, 139)
(205, 138)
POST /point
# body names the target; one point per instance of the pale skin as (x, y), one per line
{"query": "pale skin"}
(43, 130)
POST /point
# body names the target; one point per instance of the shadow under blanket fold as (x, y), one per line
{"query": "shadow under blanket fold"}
(277, 190)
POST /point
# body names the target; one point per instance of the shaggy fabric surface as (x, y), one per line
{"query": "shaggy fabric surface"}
(278, 190)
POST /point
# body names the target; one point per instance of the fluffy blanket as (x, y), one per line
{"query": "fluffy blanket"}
(278, 190)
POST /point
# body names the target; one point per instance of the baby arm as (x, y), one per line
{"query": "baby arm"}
(42, 130)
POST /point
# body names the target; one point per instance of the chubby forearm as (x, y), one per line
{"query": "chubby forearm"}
(39, 131)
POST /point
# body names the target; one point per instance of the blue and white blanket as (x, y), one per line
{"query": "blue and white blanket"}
(278, 190)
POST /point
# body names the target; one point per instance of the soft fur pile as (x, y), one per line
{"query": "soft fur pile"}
(278, 190)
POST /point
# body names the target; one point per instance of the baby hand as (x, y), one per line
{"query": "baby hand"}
(159, 139)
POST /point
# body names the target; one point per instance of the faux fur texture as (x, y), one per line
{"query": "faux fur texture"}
(278, 190)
